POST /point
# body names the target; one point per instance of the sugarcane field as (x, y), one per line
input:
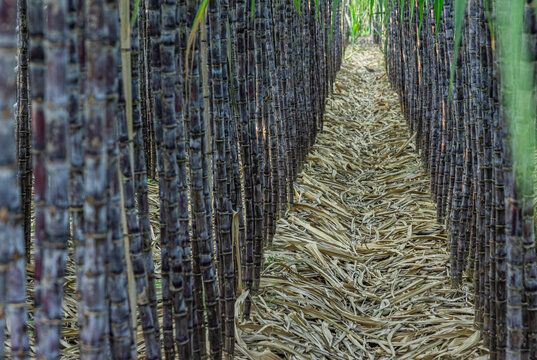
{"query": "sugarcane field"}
(268, 179)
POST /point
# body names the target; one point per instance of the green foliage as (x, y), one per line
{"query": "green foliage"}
(359, 17)
(297, 6)
(517, 79)
(421, 3)
(438, 6)
(134, 14)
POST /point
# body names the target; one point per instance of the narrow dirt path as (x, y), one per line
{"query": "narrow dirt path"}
(359, 267)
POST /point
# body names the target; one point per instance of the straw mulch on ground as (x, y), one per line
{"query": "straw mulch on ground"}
(359, 266)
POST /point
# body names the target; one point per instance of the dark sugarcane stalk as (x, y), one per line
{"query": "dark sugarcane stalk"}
(136, 242)
(420, 121)
(194, 83)
(216, 118)
(260, 201)
(141, 172)
(243, 136)
(119, 330)
(499, 162)
(237, 192)
(184, 234)
(313, 48)
(484, 163)
(208, 157)
(479, 181)
(298, 67)
(224, 204)
(57, 200)
(339, 36)
(140, 184)
(183, 301)
(202, 244)
(415, 109)
(287, 180)
(458, 164)
(207, 106)
(145, 86)
(447, 115)
(277, 79)
(133, 233)
(121, 340)
(477, 202)
(248, 274)
(490, 181)
(236, 186)
(500, 246)
(513, 217)
(199, 339)
(154, 33)
(316, 50)
(23, 122)
(266, 111)
(12, 258)
(476, 209)
(36, 29)
(426, 95)
(140, 28)
(287, 16)
(450, 198)
(149, 127)
(76, 76)
(94, 306)
(464, 214)
(437, 165)
(435, 118)
(182, 184)
(232, 151)
(441, 100)
(470, 238)
(214, 102)
(276, 136)
(270, 173)
(330, 47)
(322, 65)
(169, 35)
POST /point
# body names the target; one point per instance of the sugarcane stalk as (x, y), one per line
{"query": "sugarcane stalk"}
(57, 178)
(12, 258)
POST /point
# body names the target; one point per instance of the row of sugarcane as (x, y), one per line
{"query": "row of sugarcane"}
(465, 74)
(225, 98)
